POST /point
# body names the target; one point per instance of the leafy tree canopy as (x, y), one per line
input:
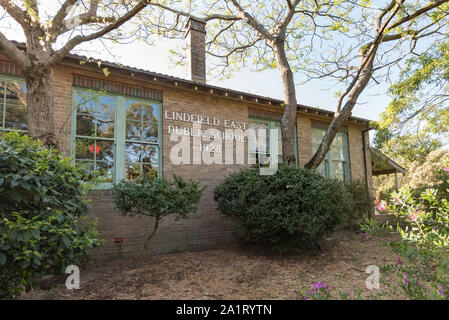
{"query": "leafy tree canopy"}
(417, 120)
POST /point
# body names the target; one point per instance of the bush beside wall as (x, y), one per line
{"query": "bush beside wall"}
(294, 205)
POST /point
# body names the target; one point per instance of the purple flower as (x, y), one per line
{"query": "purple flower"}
(399, 261)
(446, 169)
(440, 290)
(406, 279)
(318, 285)
(382, 206)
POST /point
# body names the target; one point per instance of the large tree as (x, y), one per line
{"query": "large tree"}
(50, 39)
(417, 119)
(273, 33)
(294, 35)
(397, 25)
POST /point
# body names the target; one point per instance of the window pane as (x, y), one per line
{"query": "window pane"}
(133, 110)
(336, 157)
(134, 152)
(337, 153)
(277, 126)
(15, 117)
(104, 171)
(317, 136)
(150, 154)
(15, 112)
(85, 125)
(85, 148)
(104, 150)
(16, 93)
(149, 170)
(133, 130)
(141, 121)
(132, 171)
(141, 159)
(87, 169)
(150, 132)
(150, 112)
(142, 111)
(105, 108)
(105, 127)
(336, 169)
(86, 102)
(260, 145)
(95, 103)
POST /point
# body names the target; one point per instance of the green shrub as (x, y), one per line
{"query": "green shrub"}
(32, 176)
(41, 205)
(294, 204)
(357, 202)
(157, 198)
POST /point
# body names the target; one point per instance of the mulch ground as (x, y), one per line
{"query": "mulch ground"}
(236, 272)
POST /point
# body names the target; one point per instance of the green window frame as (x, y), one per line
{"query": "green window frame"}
(336, 161)
(120, 136)
(13, 109)
(270, 124)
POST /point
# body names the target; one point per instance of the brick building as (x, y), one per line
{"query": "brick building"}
(120, 125)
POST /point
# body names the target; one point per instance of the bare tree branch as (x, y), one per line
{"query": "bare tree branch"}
(61, 15)
(72, 43)
(206, 18)
(14, 11)
(417, 13)
(12, 52)
(252, 21)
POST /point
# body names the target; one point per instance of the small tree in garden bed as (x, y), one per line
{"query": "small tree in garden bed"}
(41, 205)
(423, 257)
(157, 198)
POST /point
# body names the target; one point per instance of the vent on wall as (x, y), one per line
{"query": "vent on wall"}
(9, 68)
(116, 87)
(261, 114)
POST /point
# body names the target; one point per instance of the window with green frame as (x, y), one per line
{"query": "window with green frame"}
(115, 137)
(13, 109)
(257, 154)
(336, 162)
(262, 159)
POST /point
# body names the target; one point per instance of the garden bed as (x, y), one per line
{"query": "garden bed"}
(236, 272)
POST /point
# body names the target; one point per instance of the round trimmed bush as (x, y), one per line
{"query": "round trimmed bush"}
(293, 204)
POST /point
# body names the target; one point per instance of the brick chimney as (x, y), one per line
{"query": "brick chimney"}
(196, 50)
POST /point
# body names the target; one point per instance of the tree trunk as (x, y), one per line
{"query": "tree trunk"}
(40, 104)
(145, 244)
(289, 115)
(342, 115)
